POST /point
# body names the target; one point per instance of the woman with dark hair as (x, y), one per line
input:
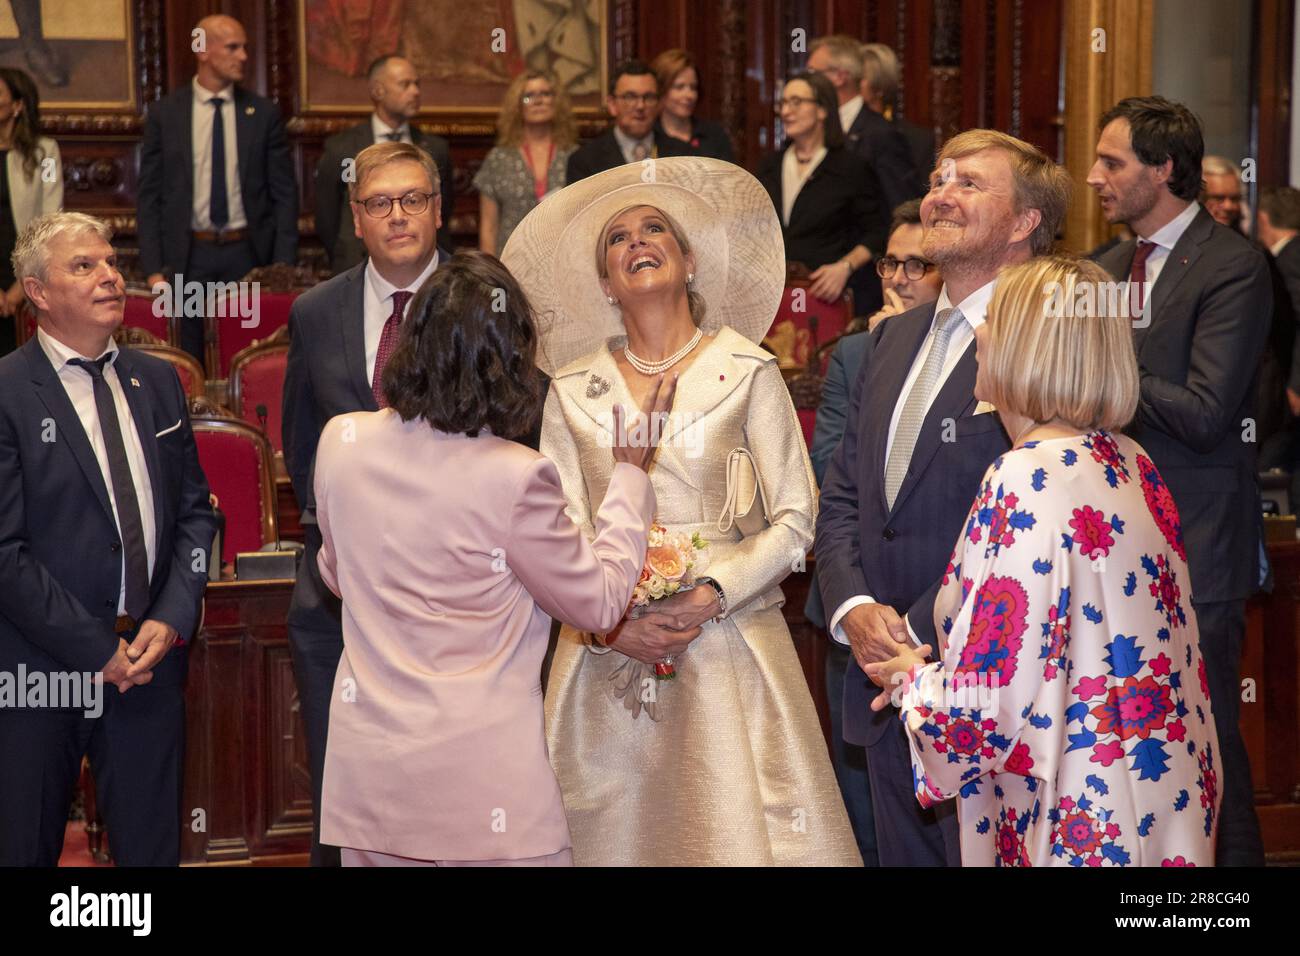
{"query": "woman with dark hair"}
(679, 94)
(833, 215)
(449, 546)
(31, 182)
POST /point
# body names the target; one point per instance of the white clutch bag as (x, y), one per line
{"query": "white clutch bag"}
(745, 504)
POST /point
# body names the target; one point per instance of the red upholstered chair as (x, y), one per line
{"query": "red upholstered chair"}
(257, 378)
(278, 286)
(236, 458)
(804, 323)
(139, 314)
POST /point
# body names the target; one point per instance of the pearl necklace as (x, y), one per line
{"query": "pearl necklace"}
(654, 368)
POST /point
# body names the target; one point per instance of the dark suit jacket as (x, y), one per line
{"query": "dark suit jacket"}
(334, 215)
(267, 182)
(602, 153)
(841, 372)
(1210, 310)
(1275, 365)
(898, 555)
(839, 207)
(325, 376)
(1287, 266)
(921, 145)
(707, 139)
(885, 148)
(60, 551)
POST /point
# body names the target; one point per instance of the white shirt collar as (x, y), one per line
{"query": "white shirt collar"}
(202, 94)
(385, 289)
(973, 308)
(627, 144)
(60, 355)
(1167, 236)
(1277, 247)
(382, 129)
(849, 113)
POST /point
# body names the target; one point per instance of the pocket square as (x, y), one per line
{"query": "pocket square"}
(168, 431)
(983, 408)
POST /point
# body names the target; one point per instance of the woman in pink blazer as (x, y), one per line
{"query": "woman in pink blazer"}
(450, 547)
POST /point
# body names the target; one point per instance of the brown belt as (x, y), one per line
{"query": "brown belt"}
(220, 237)
(125, 624)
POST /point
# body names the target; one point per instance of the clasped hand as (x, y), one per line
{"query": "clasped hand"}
(669, 628)
(132, 664)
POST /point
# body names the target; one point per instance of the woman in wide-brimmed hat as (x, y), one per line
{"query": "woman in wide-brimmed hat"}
(677, 266)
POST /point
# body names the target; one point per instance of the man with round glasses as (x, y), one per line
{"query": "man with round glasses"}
(907, 277)
(342, 333)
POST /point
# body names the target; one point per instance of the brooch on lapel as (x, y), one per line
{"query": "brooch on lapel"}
(597, 387)
(250, 110)
(135, 381)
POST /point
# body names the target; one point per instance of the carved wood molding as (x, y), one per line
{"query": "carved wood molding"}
(729, 70)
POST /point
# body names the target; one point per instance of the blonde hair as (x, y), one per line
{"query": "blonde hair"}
(1061, 345)
(693, 299)
(381, 154)
(1040, 183)
(510, 120)
(880, 70)
(668, 64)
(31, 256)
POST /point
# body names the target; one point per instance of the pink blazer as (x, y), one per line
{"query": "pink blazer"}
(451, 555)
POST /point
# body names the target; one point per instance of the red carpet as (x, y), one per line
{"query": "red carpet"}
(75, 850)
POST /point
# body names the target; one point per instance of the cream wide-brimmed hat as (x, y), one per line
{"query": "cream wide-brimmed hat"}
(727, 217)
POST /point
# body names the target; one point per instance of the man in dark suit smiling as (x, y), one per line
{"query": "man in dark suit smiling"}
(105, 535)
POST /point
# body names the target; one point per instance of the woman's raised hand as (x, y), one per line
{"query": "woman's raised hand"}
(636, 446)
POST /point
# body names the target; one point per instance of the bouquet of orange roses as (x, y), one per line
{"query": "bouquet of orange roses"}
(673, 562)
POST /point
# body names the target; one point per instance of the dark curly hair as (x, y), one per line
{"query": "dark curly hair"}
(465, 357)
(1161, 129)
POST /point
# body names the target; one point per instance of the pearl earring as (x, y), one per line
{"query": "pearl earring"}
(611, 300)
(690, 277)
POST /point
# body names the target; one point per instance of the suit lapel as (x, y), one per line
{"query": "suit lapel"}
(955, 399)
(1178, 265)
(128, 377)
(352, 326)
(68, 427)
(245, 118)
(889, 372)
(187, 135)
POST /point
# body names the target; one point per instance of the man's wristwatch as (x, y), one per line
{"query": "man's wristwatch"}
(722, 596)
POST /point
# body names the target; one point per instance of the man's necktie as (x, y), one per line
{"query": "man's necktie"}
(918, 404)
(1137, 277)
(123, 490)
(639, 152)
(218, 203)
(388, 342)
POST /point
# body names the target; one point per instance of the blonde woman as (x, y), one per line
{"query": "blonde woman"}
(1069, 712)
(536, 134)
(725, 764)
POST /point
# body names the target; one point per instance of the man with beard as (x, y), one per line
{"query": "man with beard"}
(1203, 298)
(896, 492)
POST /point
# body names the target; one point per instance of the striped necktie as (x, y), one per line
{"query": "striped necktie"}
(918, 404)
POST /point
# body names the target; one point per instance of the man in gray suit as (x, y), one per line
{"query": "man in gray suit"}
(395, 91)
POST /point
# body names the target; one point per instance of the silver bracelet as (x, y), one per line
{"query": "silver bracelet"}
(722, 596)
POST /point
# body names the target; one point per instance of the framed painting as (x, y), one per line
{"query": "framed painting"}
(78, 52)
(466, 51)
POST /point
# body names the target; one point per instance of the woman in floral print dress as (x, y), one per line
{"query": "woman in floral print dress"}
(1069, 715)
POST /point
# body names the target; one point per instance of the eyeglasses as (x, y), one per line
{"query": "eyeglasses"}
(381, 207)
(636, 99)
(794, 102)
(544, 97)
(1222, 197)
(913, 267)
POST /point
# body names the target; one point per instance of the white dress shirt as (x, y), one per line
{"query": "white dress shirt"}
(378, 306)
(1277, 247)
(1165, 238)
(793, 176)
(380, 130)
(849, 113)
(201, 140)
(973, 309)
(628, 145)
(81, 392)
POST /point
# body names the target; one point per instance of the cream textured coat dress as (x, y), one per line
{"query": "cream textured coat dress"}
(726, 765)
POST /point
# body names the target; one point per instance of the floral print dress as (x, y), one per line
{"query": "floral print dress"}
(1070, 715)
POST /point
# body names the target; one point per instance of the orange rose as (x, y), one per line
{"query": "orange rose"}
(666, 563)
